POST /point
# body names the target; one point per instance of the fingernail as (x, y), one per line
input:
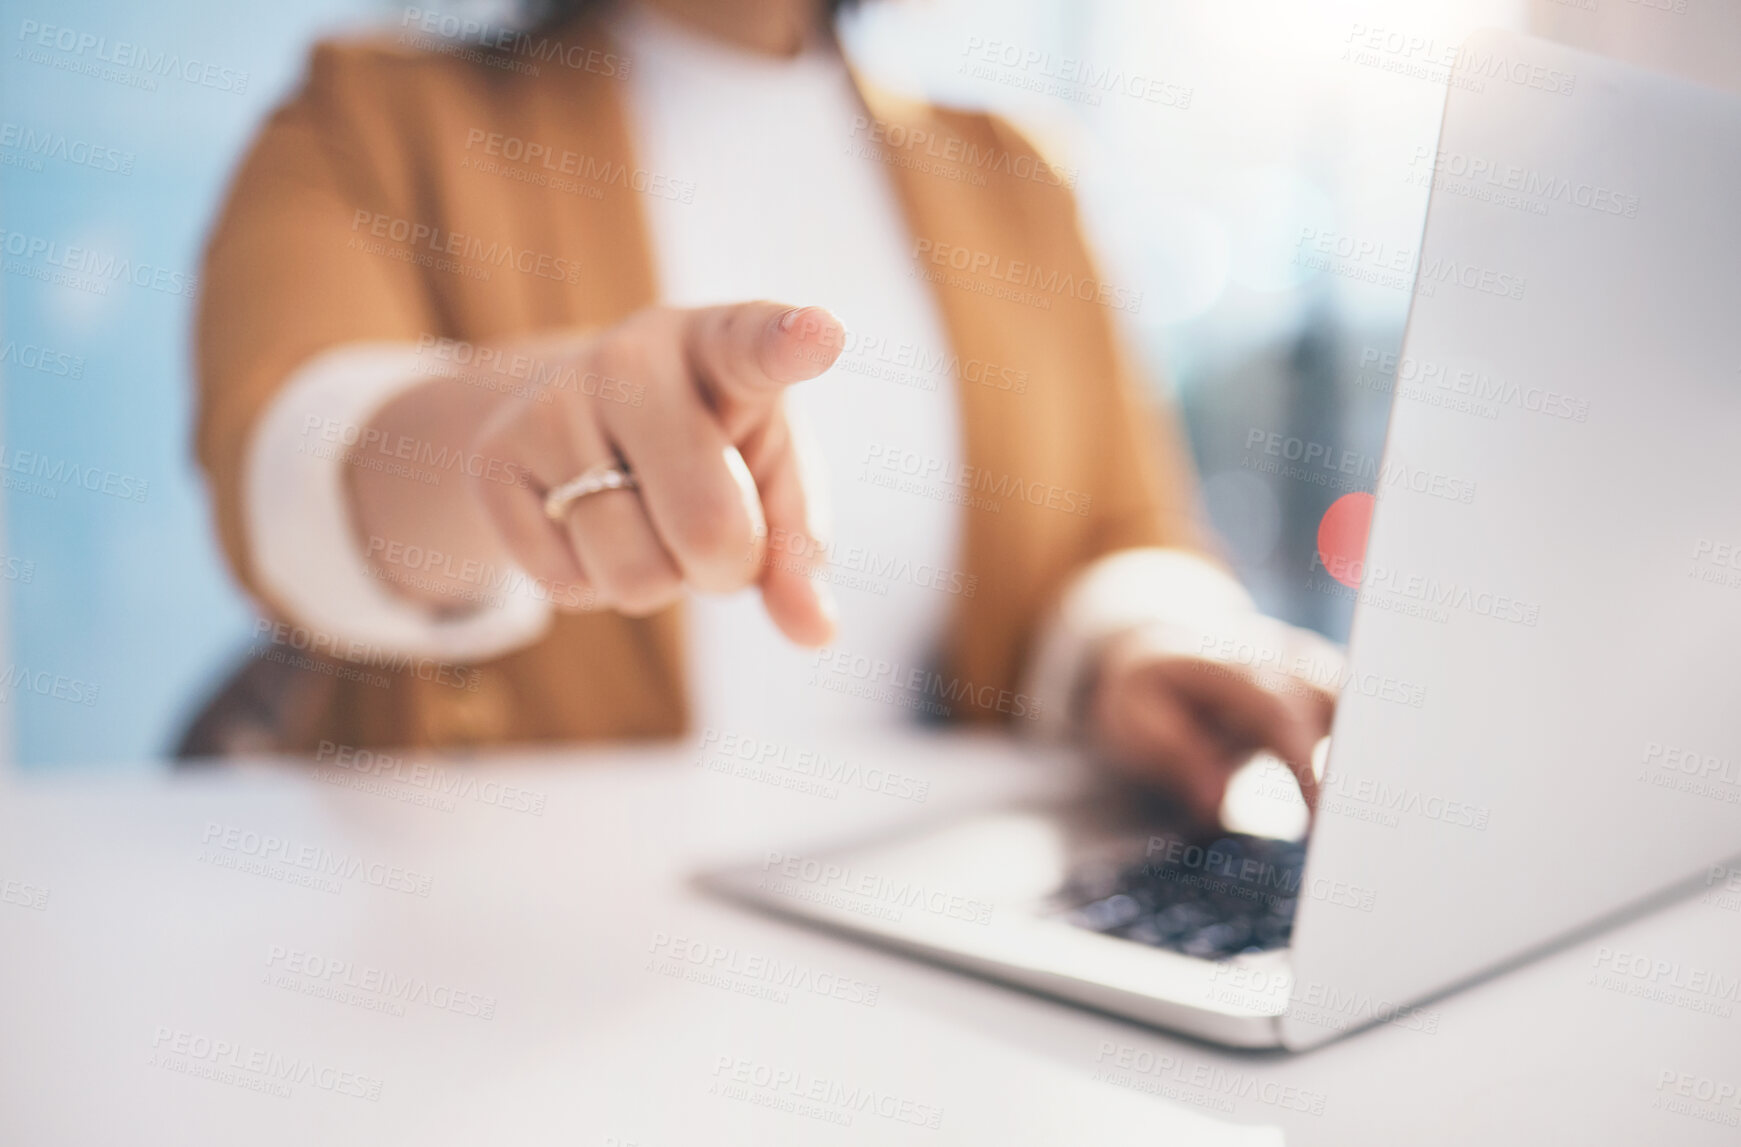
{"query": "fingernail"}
(790, 318)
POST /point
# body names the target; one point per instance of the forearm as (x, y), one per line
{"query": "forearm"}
(304, 544)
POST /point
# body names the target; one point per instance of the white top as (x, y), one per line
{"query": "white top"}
(784, 210)
(785, 207)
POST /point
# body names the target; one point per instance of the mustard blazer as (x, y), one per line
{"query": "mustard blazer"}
(362, 213)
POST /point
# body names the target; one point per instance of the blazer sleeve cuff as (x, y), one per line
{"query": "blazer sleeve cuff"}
(1170, 591)
(303, 548)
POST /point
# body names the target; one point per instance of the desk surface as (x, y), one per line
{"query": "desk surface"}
(511, 953)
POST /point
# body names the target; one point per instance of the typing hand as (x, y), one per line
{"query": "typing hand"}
(1184, 713)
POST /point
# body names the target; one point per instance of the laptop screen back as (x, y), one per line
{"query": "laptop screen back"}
(1574, 352)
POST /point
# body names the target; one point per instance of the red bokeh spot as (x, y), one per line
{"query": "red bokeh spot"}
(1342, 537)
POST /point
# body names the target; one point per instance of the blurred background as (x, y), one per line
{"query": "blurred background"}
(1263, 186)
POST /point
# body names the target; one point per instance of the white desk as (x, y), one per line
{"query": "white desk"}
(159, 992)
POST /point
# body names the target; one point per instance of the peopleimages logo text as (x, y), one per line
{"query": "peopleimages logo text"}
(96, 264)
(1430, 592)
(831, 768)
(178, 1049)
(1413, 375)
(1033, 276)
(59, 472)
(68, 149)
(874, 888)
(410, 233)
(90, 47)
(464, 783)
(1527, 182)
(269, 849)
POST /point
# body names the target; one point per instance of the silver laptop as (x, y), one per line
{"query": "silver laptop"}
(1568, 750)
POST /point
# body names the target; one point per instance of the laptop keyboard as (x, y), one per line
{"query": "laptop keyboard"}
(1214, 901)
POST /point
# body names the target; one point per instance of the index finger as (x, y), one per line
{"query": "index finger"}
(745, 354)
(1259, 716)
